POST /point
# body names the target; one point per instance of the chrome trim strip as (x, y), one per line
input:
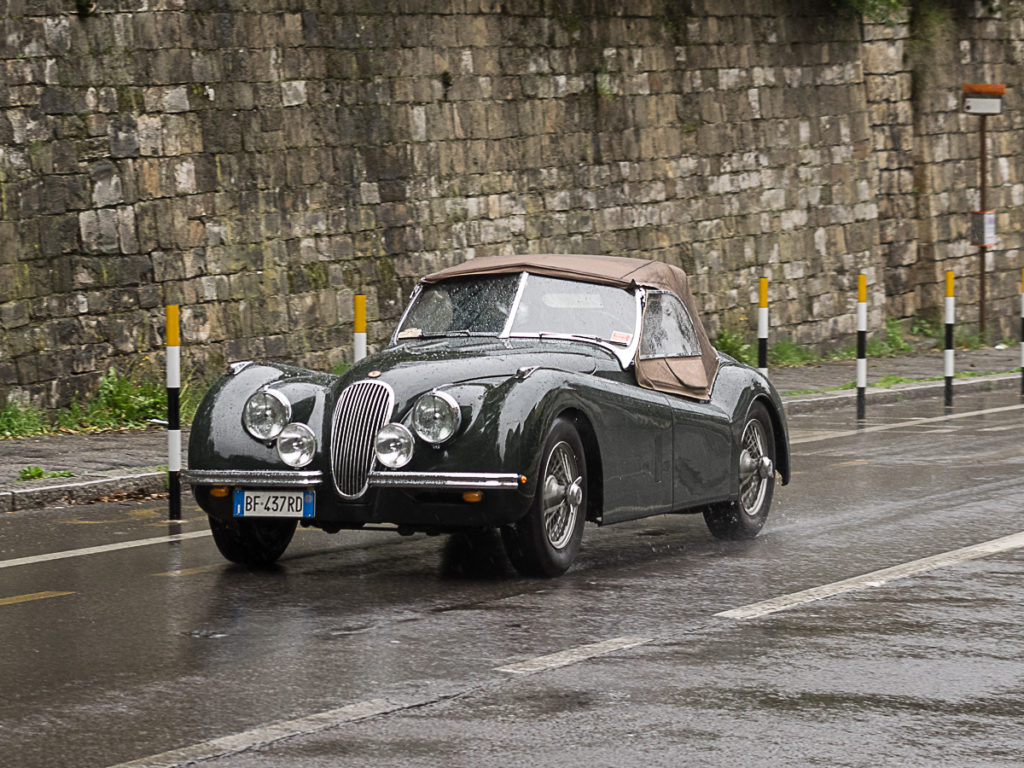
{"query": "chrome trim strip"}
(253, 478)
(439, 480)
(416, 291)
(506, 330)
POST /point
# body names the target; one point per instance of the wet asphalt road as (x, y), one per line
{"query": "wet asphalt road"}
(130, 653)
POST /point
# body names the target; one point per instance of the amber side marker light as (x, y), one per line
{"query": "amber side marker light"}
(219, 492)
(473, 496)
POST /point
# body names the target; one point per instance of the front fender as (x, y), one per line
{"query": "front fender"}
(218, 439)
(736, 389)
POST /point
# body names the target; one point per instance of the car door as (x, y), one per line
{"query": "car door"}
(701, 433)
(635, 440)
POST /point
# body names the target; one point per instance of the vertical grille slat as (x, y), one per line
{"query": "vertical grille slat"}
(363, 408)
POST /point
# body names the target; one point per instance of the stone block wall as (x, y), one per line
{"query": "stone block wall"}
(259, 162)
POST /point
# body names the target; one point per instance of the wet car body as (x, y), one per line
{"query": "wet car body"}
(550, 428)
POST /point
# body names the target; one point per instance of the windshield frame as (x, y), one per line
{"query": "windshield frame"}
(625, 354)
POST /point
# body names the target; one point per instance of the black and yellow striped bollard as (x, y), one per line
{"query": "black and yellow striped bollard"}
(762, 326)
(862, 344)
(949, 362)
(173, 412)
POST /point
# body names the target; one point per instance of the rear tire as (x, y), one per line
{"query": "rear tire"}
(547, 539)
(256, 543)
(744, 517)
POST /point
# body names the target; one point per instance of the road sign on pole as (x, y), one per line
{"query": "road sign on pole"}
(983, 99)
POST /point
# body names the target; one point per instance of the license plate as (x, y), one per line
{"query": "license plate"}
(274, 503)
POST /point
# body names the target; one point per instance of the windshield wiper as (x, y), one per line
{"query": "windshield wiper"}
(581, 337)
(570, 336)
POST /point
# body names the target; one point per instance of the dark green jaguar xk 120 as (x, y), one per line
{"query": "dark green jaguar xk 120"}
(525, 393)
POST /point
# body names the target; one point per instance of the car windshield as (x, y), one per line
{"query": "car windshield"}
(569, 308)
(461, 307)
(547, 306)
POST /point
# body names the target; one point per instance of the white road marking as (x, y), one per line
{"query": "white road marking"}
(332, 718)
(573, 655)
(819, 435)
(45, 558)
(876, 578)
(320, 721)
(286, 729)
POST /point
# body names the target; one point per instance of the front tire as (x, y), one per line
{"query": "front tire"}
(744, 517)
(256, 543)
(547, 539)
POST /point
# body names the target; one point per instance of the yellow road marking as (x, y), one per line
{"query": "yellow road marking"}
(191, 571)
(88, 522)
(176, 522)
(134, 514)
(30, 597)
(852, 463)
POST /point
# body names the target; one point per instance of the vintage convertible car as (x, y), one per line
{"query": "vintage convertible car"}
(526, 393)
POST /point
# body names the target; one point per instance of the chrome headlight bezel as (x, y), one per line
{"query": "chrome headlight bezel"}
(394, 445)
(277, 408)
(296, 445)
(436, 417)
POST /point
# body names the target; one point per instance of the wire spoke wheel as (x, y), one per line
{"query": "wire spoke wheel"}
(744, 517)
(753, 483)
(562, 497)
(546, 540)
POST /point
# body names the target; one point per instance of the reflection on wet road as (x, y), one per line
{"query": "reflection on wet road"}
(367, 648)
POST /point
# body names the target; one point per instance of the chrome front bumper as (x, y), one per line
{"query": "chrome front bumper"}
(475, 481)
(481, 481)
(253, 478)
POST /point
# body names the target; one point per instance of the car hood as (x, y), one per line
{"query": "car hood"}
(423, 365)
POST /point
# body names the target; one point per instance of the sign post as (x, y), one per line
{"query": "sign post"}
(983, 99)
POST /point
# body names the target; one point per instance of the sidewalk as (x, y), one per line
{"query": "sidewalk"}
(131, 464)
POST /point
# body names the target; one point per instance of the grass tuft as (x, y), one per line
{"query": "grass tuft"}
(119, 402)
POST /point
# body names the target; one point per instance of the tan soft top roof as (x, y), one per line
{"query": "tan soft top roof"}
(690, 376)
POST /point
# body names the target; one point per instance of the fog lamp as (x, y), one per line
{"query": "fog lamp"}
(393, 445)
(296, 445)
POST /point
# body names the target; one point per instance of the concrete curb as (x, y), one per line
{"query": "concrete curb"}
(82, 492)
(847, 398)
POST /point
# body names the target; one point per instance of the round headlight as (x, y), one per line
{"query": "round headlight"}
(266, 413)
(436, 417)
(393, 446)
(296, 445)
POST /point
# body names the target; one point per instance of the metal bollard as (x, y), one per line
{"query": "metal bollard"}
(949, 362)
(762, 327)
(359, 336)
(173, 413)
(862, 343)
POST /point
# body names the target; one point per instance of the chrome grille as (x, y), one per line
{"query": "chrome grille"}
(363, 408)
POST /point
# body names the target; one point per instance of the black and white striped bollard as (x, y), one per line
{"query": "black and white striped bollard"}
(862, 344)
